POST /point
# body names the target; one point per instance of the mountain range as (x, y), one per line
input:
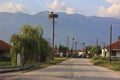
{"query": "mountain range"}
(83, 28)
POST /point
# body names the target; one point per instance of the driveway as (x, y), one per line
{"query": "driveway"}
(73, 69)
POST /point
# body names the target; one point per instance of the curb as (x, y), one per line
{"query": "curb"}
(12, 69)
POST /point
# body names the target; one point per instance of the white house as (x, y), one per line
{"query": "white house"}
(115, 50)
(81, 53)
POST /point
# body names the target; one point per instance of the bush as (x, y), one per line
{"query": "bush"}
(98, 62)
(115, 66)
(99, 58)
(5, 63)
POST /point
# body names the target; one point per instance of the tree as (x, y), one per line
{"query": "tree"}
(88, 51)
(96, 50)
(60, 48)
(30, 44)
(88, 48)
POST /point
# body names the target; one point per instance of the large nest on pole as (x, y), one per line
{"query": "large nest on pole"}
(52, 15)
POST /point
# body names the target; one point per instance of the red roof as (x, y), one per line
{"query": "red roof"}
(115, 45)
(4, 45)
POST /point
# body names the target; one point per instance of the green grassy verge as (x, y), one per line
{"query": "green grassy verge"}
(104, 62)
(5, 63)
(47, 63)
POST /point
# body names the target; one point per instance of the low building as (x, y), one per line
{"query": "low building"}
(115, 50)
(81, 53)
(4, 50)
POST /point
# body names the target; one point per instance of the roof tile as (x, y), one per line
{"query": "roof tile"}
(4, 45)
(115, 45)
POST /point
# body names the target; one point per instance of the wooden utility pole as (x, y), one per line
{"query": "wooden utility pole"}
(104, 48)
(67, 46)
(67, 41)
(76, 46)
(97, 42)
(97, 46)
(53, 16)
(73, 45)
(110, 41)
(83, 45)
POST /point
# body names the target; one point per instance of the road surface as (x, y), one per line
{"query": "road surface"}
(73, 69)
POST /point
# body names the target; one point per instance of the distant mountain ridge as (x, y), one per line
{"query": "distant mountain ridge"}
(83, 28)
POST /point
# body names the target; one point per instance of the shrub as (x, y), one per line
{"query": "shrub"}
(115, 66)
(97, 58)
(98, 62)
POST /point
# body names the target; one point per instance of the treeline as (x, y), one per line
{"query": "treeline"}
(30, 44)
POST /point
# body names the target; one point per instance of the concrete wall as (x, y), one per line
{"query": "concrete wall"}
(118, 54)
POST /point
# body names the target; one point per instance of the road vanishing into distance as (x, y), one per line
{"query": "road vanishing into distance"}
(73, 69)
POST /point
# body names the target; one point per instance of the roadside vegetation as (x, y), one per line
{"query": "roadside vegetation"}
(32, 47)
(5, 63)
(47, 63)
(104, 62)
(30, 44)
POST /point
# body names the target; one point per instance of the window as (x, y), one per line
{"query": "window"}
(113, 53)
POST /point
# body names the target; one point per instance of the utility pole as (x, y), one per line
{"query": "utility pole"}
(73, 45)
(76, 46)
(67, 46)
(67, 41)
(83, 45)
(97, 45)
(104, 48)
(110, 41)
(53, 16)
(97, 42)
(76, 49)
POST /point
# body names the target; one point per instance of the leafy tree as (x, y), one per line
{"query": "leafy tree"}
(88, 48)
(96, 50)
(60, 48)
(30, 44)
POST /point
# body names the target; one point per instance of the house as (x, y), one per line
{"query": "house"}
(59, 54)
(115, 50)
(4, 50)
(81, 53)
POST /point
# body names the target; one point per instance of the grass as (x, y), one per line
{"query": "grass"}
(104, 62)
(5, 63)
(37, 66)
(47, 63)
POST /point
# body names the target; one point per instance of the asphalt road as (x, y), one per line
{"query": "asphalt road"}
(73, 69)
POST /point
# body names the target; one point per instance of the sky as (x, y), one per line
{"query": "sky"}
(102, 8)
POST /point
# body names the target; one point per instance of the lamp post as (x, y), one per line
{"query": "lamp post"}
(53, 16)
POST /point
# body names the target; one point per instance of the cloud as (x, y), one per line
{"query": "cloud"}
(114, 1)
(60, 7)
(70, 11)
(11, 7)
(112, 11)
